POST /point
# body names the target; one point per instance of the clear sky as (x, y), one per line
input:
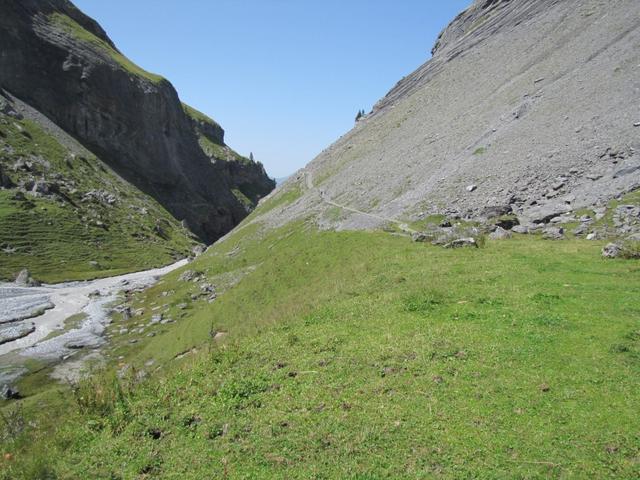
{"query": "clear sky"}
(285, 78)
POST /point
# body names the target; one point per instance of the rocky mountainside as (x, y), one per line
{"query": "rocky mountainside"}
(65, 214)
(61, 63)
(528, 108)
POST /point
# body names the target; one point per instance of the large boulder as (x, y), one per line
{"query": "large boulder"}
(500, 234)
(24, 279)
(553, 233)
(612, 250)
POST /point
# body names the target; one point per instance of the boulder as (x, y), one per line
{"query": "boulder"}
(522, 229)
(611, 250)
(24, 279)
(495, 211)
(5, 180)
(553, 233)
(420, 237)
(581, 229)
(500, 234)
(9, 392)
(187, 276)
(462, 242)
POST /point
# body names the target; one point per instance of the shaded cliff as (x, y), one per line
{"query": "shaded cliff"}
(62, 63)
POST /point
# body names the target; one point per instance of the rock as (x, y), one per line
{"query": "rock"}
(187, 276)
(182, 306)
(462, 242)
(506, 223)
(219, 335)
(500, 234)
(626, 171)
(5, 180)
(637, 124)
(472, 188)
(522, 229)
(634, 237)
(24, 279)
(420, 237)
(591, 236)
(155, 319)
(581, 229)
(611, 250)
(553, 233)
(9, 392)
(15, 331)
(198, 250)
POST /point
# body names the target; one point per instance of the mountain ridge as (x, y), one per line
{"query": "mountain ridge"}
(483, 127)
(63, 63)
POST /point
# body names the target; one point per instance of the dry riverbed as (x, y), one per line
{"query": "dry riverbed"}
(36, 323)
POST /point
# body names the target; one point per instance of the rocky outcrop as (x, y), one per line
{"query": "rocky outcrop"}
(62, 63)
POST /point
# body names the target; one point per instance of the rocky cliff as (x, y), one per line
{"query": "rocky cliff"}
(62, 63)
(526, 108)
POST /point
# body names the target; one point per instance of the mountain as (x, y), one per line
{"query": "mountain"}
(524, 109)
(62, 64)
(320, 339)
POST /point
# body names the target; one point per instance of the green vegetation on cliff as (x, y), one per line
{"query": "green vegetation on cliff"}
(68, 217)
(363, 355)
(198, 115)
(72, 28)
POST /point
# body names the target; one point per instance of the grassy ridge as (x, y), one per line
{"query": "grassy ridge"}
(363, 355)
(74, 29)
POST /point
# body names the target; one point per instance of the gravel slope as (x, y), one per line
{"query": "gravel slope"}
(528, 106)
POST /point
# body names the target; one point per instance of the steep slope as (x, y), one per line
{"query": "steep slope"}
(65, 215)
(60, 62)
(524, 109)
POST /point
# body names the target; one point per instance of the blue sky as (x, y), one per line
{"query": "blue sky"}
(284, 78)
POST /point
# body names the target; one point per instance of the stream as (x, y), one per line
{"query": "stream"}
(32, 321)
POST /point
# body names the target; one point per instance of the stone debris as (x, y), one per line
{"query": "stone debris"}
(553, 233)
(611, 250)
(462, 242)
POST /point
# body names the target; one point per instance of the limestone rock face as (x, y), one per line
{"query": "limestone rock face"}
(63, 64)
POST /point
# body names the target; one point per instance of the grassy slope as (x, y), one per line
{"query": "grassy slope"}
(363, 355)
(72, 28)
(57, 239)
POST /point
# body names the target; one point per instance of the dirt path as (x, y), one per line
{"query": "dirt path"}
(402, 226)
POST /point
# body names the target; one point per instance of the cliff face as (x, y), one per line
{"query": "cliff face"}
(525, 108)
(62, 63)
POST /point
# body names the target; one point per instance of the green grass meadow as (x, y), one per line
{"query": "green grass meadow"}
(355, 355)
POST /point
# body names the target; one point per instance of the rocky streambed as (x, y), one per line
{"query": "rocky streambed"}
(34, 321)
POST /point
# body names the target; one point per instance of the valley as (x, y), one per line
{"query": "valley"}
(449, 290)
